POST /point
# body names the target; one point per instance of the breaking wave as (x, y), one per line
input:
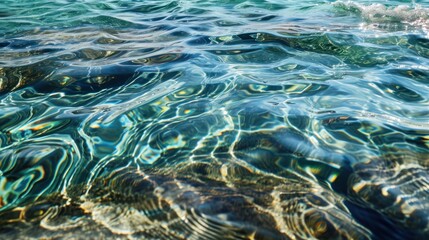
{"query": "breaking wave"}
(389, 16)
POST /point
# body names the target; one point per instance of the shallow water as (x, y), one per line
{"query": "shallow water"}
(264, 119)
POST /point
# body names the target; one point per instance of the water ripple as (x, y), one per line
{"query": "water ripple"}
(115, 116)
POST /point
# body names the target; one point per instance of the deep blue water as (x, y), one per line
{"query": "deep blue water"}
(229, 119)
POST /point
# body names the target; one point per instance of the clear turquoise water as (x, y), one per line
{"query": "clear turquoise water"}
(209, 102)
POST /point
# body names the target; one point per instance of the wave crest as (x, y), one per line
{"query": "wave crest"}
(416, 15)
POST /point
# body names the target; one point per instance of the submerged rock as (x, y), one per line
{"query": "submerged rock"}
(220, 204)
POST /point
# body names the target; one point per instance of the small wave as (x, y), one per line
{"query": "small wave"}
(160, 90)
(417, 15)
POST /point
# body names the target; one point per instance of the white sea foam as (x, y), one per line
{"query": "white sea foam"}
(414, 15)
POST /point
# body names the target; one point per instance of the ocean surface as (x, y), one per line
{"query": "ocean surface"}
(227, 119)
